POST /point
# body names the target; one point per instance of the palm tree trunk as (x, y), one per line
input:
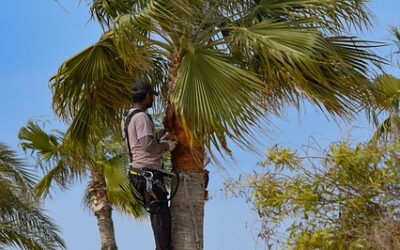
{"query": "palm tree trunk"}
(187, 207)
(187, 211)
(102, 210)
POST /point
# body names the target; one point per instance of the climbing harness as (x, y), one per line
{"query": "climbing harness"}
(149, 174)
(127, 120)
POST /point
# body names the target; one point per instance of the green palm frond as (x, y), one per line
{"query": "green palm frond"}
(134, 37)
(13, 169)
(34, 138)
(396, 35)
(104, 11)
(119, 189)
(386, 100)
(283, 37)
(92, 87)
(60, 175)
(153, 29)
(388, 93)
(60, 161)
(90, 101)
(13, 237)
(10, 236)
(22, 222)
(331, 15)
(344, 85)
(387, 128)
(215, 97)
(297, 62)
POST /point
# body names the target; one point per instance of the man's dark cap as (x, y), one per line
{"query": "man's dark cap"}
(142, 87)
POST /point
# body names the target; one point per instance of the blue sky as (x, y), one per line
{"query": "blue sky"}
(37, 36)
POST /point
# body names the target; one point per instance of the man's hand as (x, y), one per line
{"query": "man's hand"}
(171, 145)
(161, 134)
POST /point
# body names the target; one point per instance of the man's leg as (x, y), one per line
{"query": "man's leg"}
(160, 217)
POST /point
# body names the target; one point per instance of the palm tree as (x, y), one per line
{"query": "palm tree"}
(63, 164)
(222, 67)
(22, 222)
(387, 100)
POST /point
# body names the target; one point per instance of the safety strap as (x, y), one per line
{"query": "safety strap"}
(127, 120)
(161, 171)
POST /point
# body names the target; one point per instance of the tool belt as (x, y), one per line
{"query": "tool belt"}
(152, 176)
(155, 177)
(145, 172)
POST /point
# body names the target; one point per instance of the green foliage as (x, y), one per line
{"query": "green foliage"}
(22, 222)
(79, 80)
(386, 100)
(221, 64)
(346, 198)
(63, 164)
(396, 35)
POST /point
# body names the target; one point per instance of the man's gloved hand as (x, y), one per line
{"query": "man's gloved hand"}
(161, 134)
(171, 144)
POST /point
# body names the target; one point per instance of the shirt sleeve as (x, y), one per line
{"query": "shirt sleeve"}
(144, 126)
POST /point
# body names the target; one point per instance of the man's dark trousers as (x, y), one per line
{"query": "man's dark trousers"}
(160, 215)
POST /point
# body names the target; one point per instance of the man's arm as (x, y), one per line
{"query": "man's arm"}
(149, 144)
(147, 138)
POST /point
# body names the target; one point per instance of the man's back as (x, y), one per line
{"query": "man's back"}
(141, 126)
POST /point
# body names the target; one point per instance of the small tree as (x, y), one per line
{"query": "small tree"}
(346, 198)
(22, 222)
(63, 164)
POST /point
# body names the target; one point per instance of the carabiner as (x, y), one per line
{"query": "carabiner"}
(149, 180)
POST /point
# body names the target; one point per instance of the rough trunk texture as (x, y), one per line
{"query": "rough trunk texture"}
(187, 207)
(187, 210)
(103, 211)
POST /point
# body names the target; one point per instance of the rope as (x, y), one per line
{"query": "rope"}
(196, 231)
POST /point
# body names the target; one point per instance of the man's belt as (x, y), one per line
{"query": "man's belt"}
(143, 170)
(137, 171)
(147, 174)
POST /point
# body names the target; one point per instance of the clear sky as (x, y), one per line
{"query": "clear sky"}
(37, 36)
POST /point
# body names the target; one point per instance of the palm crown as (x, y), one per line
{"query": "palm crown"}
(220, 64)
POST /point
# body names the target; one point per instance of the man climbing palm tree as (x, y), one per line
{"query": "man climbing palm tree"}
(145, 153)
